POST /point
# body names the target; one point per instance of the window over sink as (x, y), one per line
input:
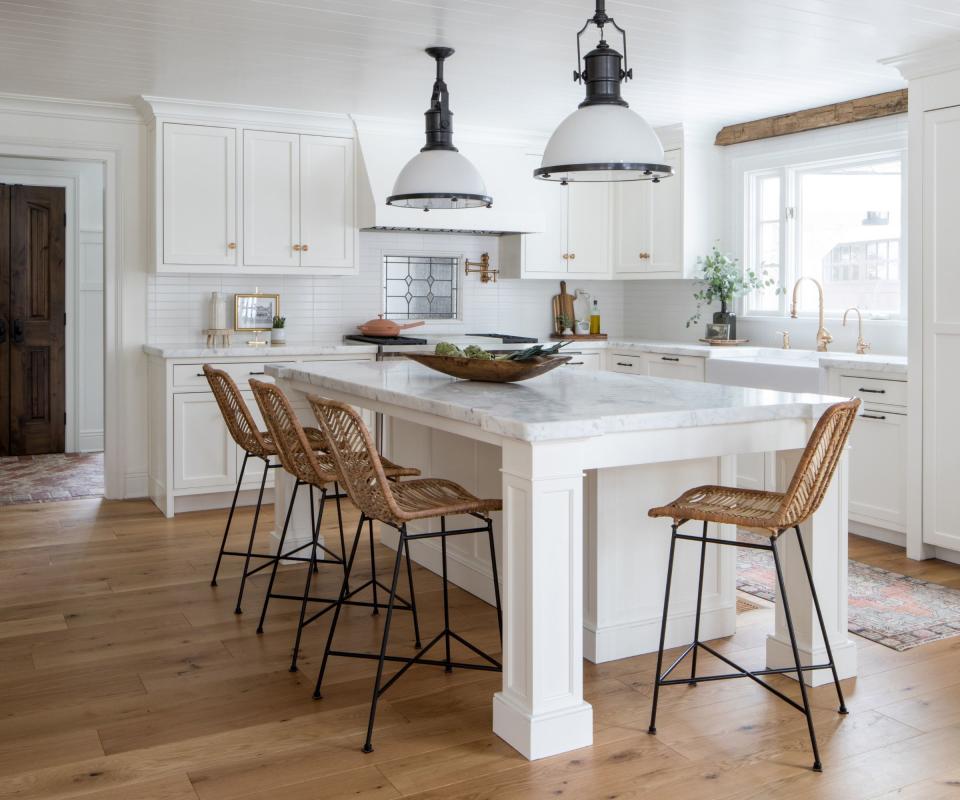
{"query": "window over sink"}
(840, 221)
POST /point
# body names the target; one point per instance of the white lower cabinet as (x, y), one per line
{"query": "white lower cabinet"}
(589, 361)
(878, 485)
(204, 452)
(683, 368)
(194, 461)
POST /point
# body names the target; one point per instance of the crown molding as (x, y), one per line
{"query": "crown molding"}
(39, 106)
(153, 108)
(929, 61)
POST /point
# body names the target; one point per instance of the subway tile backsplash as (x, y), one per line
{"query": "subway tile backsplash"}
(324, 309)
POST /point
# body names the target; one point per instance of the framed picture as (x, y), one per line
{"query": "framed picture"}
(718, 330)
(255, 312)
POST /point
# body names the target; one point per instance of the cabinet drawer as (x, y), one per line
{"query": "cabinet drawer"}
(686, 368)
(622, 363)
(874, 390)
(187, 376)
(583, 360)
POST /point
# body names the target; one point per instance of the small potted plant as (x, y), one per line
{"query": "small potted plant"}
(278, 335)
(723, 280)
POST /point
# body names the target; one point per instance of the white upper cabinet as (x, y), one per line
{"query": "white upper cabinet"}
(631, 230)
(295, 172)
(199, 207)
(271, 199)
(588, 228)
(327, 217)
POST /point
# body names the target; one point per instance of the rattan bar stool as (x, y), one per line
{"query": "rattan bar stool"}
(774, 513)
(313, 468)
(255, 444)
(360, 470)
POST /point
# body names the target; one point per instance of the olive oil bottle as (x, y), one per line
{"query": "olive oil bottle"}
(595, 318)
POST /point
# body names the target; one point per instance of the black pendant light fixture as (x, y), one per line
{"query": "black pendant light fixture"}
(603, 140)
(439, 176)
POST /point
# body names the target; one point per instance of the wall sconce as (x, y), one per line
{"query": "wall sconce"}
(483, 267)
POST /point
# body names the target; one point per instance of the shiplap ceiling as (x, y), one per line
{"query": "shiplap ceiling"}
(693, 60)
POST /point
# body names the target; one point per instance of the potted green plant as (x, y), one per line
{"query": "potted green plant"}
(723, 280)
(279, 333)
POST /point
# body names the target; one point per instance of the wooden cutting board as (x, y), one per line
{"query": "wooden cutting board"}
(562, 306)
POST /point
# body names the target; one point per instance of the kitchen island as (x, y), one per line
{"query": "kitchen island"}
(578, 458)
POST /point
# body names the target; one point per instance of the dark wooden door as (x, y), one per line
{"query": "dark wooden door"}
(4, 320)
(36, 318)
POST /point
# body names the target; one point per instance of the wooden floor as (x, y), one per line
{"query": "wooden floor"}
(124, 675)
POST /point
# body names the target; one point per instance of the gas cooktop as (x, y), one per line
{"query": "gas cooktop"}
(385, 340)
(507, 338)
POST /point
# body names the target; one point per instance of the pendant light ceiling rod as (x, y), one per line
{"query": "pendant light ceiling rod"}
(439, 176)
(603, 140)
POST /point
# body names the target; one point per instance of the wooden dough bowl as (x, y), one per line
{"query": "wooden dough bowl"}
(491, 371)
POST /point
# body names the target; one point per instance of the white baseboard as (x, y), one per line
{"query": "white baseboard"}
(879, 534)
(205, 502)
(135, 486)
(90, 441)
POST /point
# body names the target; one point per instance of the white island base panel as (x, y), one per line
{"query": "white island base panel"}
(582, 565)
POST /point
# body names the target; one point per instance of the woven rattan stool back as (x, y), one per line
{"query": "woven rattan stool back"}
(293, 447)
(818, 463)
(359, 468)
(236, 415)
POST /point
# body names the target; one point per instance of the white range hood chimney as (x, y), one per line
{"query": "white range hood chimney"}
(385, 147)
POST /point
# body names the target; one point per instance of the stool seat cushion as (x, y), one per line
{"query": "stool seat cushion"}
(746, 508)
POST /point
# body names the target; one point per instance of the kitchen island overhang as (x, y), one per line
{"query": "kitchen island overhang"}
(578, 459)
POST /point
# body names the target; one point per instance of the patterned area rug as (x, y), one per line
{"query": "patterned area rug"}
(41, 479)
(894, 610)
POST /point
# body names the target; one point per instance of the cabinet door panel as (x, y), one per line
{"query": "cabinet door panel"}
(327, 219)
(631, 226)
(204, 454)
(878, 474)
(271, 199)
(666, 220)
(543, 252)
(199, 194)
(588, 228)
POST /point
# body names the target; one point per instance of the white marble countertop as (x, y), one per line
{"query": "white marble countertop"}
(330, 347)
(560, 405)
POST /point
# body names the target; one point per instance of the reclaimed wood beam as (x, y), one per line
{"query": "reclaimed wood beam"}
(876, 105)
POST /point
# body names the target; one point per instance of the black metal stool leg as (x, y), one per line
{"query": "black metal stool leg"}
(823, 628)
(276, 561)
(253, 533)
(663, 630)
(696, 623)
(368, 746)
(373, 570)
(226, 530)
(496, 579)
(413, 597)
(310, 569)
(336, 612)
(817, 767)
(446, 596)
(343, 540)
(315, 568)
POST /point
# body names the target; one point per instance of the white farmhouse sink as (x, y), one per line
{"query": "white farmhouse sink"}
(765, 368)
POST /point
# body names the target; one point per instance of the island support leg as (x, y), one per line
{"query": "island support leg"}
(825, 538)
(541, 710)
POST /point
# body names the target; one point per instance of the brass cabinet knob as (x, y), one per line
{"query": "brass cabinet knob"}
(644, 255)
(296, 248)
(566, 256)
(573, 255)
(231, 246)
(305, 247)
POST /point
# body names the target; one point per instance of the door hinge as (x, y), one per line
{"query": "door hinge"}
(64, 318)
(64, 417)
(64, 219)
(791, 212)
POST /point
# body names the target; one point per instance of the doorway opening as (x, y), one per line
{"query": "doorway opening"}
(51, 330)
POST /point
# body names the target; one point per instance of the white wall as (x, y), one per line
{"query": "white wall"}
(114, 134)
(323, 309)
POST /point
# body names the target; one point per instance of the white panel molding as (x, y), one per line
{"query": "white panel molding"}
(926, 62)
(63, 108)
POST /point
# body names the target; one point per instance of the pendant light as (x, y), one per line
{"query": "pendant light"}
(439, 176)
(603, 140)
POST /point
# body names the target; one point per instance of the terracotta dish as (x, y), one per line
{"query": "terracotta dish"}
(490, 370)
(385, 327)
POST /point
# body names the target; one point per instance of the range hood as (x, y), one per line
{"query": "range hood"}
(504, 164)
